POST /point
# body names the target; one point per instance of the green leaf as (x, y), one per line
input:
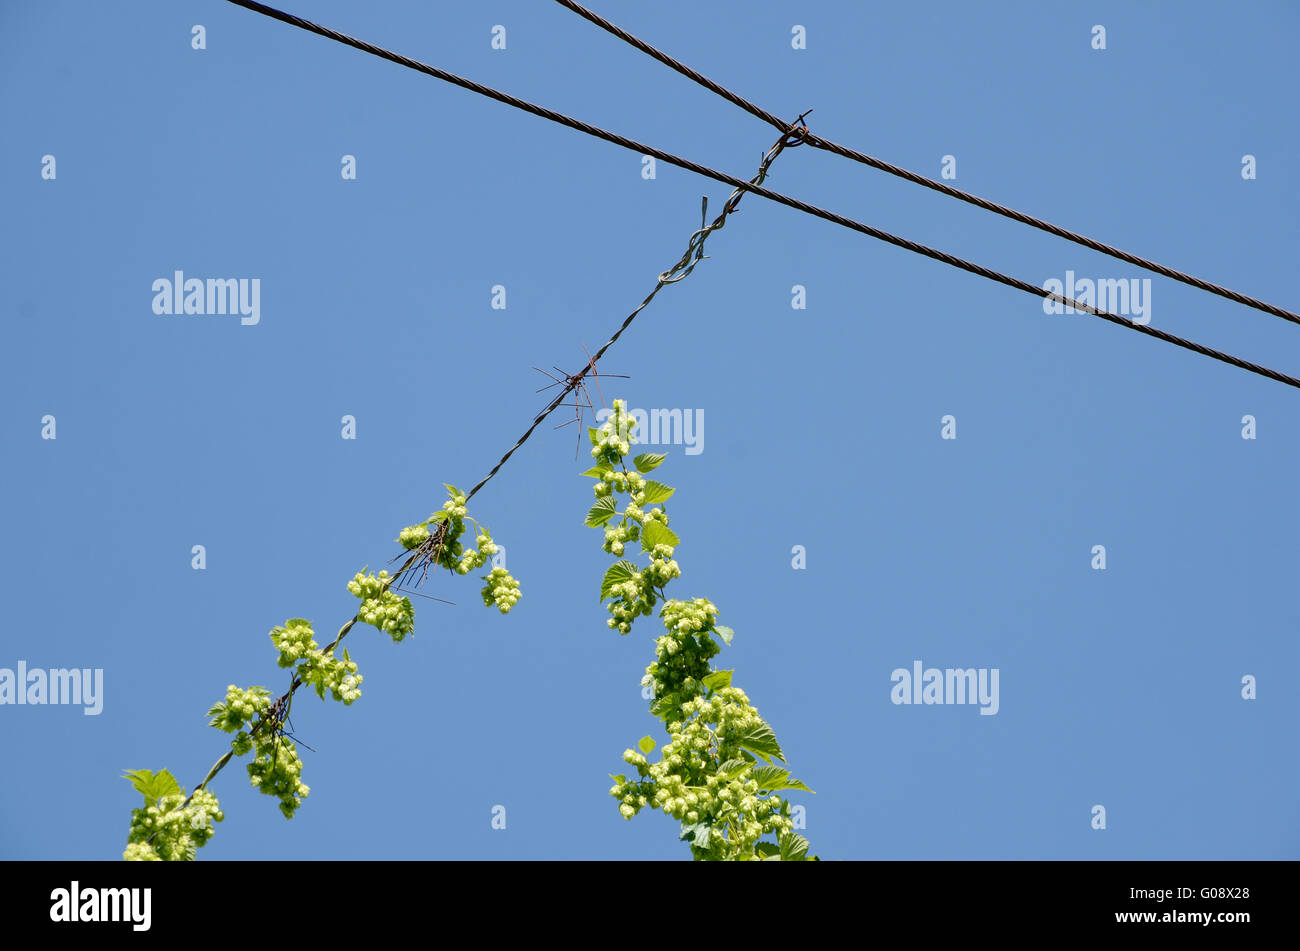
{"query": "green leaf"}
(775, 779)
(440, 516)
(599, 470)
(724, 632)
(591, 434)
(770, 777)
(618, 778)
(601, 512)
(794, 848)
(656, 492)
(718, 679)
(648, 460)
(761, 741)
(657, 533)
(731, 769)
(141, 779)
(617, 573)
(151, 785)
(452, 489)
(646, 744)
(698, 832)
(769, 851)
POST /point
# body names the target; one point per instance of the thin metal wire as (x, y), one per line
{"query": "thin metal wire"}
(792, 135)
(644, 47)
(914, 247)
(692, 256)
(826, 145)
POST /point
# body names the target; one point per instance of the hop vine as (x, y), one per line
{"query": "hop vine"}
(718, 775)
(165, 829)
(171, 826)
(387, 611)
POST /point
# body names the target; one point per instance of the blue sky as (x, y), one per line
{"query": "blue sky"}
(822, 426)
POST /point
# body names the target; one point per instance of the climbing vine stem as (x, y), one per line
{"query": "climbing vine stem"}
(720, 774)
(170, 825)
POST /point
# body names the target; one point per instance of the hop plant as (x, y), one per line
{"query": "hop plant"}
(169, 827)
(455, 506)
(315, 668)
(413, 536)
(708, 776)
(472, 558)
(390, 613)
(342, 681)
(294, 641)
(166, 828)
(501, 589)
(239, 708)
(613, 439)
(276, 769)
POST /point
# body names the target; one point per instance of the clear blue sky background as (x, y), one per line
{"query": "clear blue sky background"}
(822, 427)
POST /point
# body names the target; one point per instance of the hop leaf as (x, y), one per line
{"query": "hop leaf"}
(153, 785)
